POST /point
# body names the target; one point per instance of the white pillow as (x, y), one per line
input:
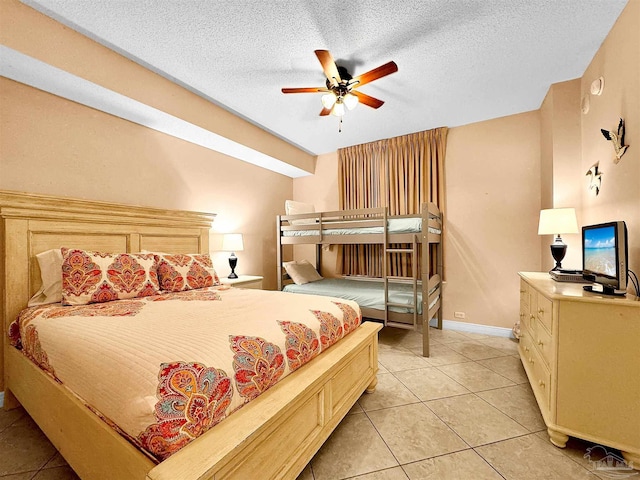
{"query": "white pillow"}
(292, 207)
(302, 272)
(50, 291)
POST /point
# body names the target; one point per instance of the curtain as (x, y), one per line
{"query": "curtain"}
(398, 173)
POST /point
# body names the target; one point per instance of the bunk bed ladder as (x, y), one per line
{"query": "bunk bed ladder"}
(413, 253)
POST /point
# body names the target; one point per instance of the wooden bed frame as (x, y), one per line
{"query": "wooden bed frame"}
(430, 244)
(304, 408)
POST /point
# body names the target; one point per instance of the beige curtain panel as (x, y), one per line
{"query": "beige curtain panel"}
(399, 173)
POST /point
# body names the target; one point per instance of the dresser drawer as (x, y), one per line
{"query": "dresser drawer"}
(544, 308)
(531, 317)
(540, 379)
(526, 344)
(544, 344)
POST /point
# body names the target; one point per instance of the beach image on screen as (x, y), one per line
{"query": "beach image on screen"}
(600, 250)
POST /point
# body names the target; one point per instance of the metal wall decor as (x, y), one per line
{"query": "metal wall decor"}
(595, 179)
(617, 138)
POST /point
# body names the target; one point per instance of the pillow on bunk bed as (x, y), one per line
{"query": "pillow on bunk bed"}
(50, 291)
(292, 207)
(302, 272)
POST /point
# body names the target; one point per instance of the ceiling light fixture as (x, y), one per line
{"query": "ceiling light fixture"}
(339, 88)
(329, 100)
(338, 108)
(350, 100)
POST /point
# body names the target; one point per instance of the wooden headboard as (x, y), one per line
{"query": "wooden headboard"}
(30, 224)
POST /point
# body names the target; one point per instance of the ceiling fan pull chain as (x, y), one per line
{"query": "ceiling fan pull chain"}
(340, 126)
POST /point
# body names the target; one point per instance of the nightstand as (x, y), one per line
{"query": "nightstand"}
(243, 281)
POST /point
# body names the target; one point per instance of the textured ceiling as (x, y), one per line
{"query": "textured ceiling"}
(460, 61)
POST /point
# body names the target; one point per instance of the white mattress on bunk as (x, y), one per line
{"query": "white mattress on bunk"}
(367, 293)
(394, 225)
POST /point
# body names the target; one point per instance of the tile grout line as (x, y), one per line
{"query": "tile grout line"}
(383, 440)
(560, 450)
(452, 379)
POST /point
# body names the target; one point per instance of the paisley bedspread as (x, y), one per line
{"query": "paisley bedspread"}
(164, 369)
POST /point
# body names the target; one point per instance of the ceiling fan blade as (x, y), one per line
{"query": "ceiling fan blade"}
(325, 111)
(305, 90)
(367, 99)
(376, 73)
(328, 65)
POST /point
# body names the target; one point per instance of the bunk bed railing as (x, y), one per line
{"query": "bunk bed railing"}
(321, 227)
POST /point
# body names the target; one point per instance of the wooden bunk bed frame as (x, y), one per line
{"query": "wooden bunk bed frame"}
(429, 281)
(306, 406)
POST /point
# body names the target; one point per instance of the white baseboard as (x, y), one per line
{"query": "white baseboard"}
(1, 399)
(474, 328)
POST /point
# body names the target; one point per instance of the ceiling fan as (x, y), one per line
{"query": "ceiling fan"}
(340, 90)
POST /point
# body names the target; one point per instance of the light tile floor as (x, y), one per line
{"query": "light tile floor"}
(466, 412)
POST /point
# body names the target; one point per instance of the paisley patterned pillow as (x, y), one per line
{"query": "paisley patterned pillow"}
(96, 277)
(181, 272)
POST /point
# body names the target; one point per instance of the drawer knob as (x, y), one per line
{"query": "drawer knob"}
(532, 316)
(541, 383)
(541, 310)
(523, 291)
(541, 343)
(526, 349)
(531, 361)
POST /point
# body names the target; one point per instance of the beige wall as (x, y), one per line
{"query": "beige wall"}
(493, 201)
(321, 190)
(560, 165)
(618, 61)
(55, 146)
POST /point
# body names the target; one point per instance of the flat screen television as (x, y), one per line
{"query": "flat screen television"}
(604, 257)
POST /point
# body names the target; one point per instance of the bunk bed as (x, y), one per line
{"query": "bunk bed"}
(403, 302)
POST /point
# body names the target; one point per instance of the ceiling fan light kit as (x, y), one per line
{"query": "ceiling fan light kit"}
(350, 101)
(338, 109)
(329, 100)
(340, 86)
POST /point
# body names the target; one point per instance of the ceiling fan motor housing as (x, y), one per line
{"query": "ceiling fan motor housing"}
(341, 87)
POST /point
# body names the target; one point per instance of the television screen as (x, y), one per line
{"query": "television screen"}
(600, 250)
(605, 257)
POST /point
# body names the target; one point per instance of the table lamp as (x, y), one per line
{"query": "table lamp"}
(232, 242)
(555, 221)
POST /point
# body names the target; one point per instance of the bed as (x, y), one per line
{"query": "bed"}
(304, 407)
(398, 301)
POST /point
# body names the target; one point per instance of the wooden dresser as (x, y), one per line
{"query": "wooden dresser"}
(581, 352)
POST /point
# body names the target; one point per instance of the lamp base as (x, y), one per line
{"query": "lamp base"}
(233, 261)
(558, 251)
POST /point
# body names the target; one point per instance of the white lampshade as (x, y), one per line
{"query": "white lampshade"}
(232, 242)
(350, 100)
(329, 100)
(338, 109)
(556, 221)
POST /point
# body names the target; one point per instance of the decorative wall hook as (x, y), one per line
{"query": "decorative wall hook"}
(617, 138)
(595, 179)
